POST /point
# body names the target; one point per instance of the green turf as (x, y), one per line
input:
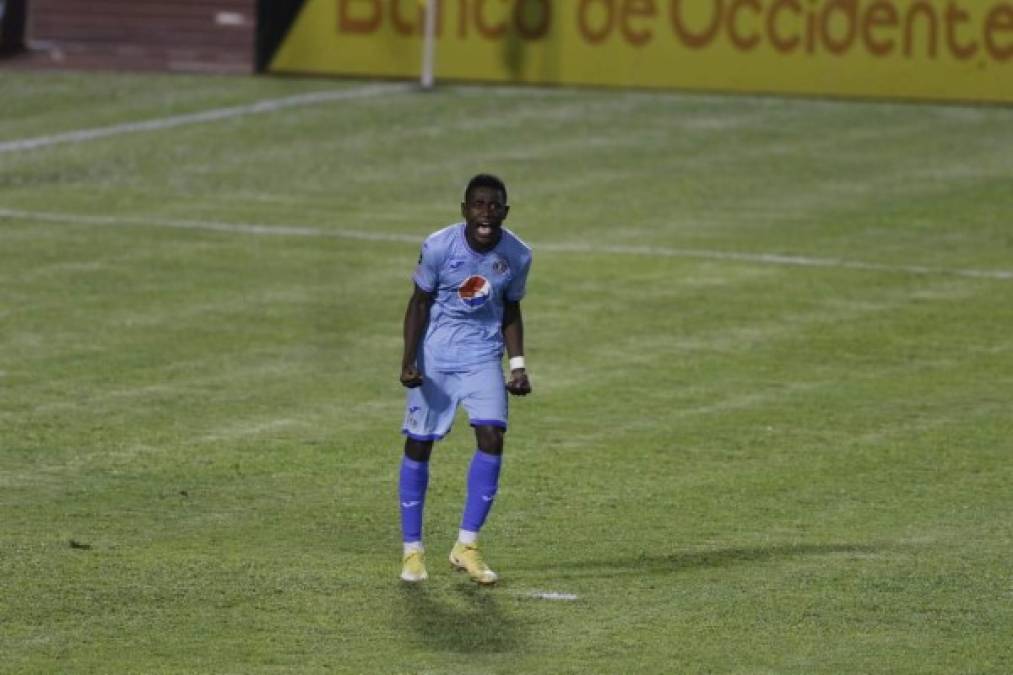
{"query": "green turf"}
(736, 465)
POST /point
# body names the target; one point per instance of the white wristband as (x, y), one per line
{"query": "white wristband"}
(516, 362)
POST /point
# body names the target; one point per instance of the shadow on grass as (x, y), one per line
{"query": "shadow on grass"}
(644, 563)
(469, 623)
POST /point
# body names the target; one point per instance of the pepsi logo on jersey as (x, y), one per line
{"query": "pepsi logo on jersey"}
(474, 291)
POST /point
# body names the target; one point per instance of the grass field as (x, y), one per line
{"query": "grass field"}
(771, 342)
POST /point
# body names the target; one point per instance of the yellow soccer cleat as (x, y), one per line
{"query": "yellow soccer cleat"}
(413, 567)
(466, 558)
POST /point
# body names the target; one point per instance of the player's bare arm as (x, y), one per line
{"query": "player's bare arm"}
(415, 318)
(513, 337)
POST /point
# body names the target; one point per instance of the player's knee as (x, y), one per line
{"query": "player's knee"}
(489, 439)
(418, 451)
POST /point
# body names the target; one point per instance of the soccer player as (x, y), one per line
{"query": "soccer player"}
(465, 307)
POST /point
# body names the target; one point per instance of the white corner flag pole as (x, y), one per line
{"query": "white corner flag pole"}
(429, 45)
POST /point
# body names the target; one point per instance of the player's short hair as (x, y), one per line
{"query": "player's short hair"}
(485, 180)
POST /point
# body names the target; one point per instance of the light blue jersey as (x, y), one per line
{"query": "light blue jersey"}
(465, 321)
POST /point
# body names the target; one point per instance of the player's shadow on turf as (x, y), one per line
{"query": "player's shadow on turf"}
(467, 620)
(674, 562)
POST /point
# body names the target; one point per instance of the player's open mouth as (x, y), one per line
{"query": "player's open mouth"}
(484, 231)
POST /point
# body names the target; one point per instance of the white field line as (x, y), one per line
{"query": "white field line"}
(774, 259)
(209, 226)
(265, 106)
(552, 595)
(601, 249)
(548, 595)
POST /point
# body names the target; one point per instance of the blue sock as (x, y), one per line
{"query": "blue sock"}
(483, 479)
(412, 490)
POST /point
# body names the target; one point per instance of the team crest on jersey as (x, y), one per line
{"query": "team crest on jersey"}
(474, 291)
(500, 266)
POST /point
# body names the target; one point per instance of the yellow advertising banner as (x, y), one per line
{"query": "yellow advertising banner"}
(958, 50)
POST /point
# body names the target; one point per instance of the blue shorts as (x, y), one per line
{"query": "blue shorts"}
(430, 409)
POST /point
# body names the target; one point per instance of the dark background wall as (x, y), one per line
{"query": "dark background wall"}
(274, 18)
(12, 26)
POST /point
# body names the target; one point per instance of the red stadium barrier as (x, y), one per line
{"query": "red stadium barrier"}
(178, 35)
